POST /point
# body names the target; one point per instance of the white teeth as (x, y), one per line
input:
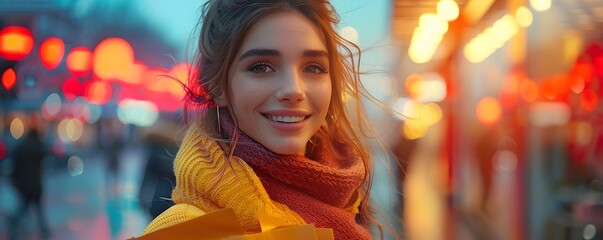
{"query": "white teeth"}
(287, 119)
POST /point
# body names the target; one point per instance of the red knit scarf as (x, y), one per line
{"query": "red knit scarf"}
(320, 190)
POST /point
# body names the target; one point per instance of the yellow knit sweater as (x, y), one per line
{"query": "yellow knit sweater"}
(206, 182)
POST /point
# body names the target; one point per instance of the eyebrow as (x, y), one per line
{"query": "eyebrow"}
(275, 53)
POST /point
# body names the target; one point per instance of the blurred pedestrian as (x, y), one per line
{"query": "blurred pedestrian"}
(159, 180)
(112, 145)
(27, 180)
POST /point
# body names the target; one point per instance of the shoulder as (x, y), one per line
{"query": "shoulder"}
(176, 214)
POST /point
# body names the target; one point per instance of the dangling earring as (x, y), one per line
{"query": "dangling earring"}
(219, 123)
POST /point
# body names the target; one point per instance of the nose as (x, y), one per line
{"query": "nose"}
(291, 87)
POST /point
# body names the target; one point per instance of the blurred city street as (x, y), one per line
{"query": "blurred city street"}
(489, 114)
(85, 206)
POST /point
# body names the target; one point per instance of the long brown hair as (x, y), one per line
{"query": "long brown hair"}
(224, 26)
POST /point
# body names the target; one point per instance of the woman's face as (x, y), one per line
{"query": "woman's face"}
(280, 83)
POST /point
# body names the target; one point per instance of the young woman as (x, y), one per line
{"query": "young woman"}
(274, 135)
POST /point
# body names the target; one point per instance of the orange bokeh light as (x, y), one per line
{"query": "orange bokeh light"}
(413, 85)
(528, 90)
(79, 61)
(51, 52)
(9, 78)
(488, 111)
(15, 42)
(113, 58)
(182, 72)
(98, 92)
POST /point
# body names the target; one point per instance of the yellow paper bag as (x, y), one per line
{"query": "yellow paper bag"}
(220, 224)
(223, 224)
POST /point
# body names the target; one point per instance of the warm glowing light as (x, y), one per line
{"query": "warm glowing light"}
(70, 130)
(413, 85)
(548, 88)
(448, 9)
(71, 88)
(432, 89)
(491, 39)
(433, 23)
(524, 17)
(156, 78)
(9, 78)
(79, 61)
(427, 37)
(113, 58)
(17, 128)
(588, 100)
(51, 52)
(576, 83)
(182, 72)
(15, 43)
(413, 129)
(431, 113)
(98, 92)
(540, 5)
(528, 90)
(134, 74)
(488, 111)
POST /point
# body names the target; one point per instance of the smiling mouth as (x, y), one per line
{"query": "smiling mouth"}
(285, 119)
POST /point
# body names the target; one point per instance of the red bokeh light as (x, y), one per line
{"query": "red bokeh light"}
(9, 78)
(71, 88)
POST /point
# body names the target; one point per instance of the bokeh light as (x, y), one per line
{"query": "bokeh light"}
(17, 128)
(70, 130)
(71, 88)
(98, 92)
(588, 100)
(137, 112)
(52, 105)
(113, 58)
(489, 111)
(79, 61)
(9, 78)
(15, 43)
(51, 52)
(75, 166)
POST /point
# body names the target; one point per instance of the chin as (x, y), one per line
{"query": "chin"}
(289, 149)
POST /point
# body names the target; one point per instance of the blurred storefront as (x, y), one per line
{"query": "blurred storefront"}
(515, 150)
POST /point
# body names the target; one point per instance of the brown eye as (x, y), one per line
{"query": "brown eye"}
(315, 68)
(261, 67)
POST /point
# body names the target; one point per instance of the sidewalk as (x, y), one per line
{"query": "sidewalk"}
(85, 206)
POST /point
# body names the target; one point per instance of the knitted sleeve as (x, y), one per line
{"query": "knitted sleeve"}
(174, 215)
